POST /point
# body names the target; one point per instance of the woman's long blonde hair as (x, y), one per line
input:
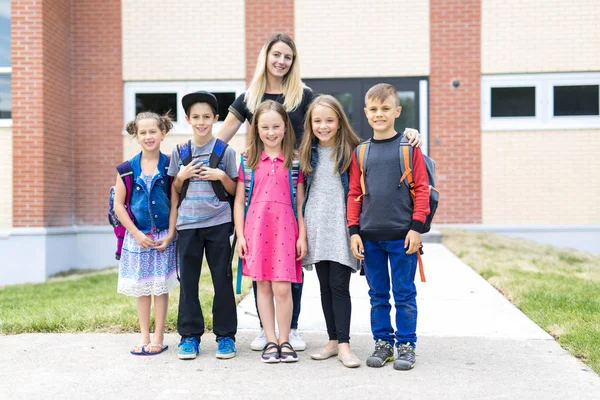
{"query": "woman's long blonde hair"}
(345, 139)
(292, 84)
(256, 146)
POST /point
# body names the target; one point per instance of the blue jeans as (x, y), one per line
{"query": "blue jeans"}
(403, 269)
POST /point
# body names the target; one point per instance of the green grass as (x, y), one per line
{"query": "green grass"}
(559, 289)
(86, 301)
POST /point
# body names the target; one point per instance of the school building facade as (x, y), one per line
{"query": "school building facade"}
(505, 94)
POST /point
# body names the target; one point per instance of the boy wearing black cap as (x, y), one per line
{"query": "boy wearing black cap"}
(204, 224)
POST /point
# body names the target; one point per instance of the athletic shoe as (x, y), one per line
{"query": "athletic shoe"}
(383, 353)
(189, 348)
(259, 342)
(406, 357)
(226, 348)
(296, 340)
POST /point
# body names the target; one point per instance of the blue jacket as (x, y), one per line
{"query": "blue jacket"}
(314, 158)
(150, 208)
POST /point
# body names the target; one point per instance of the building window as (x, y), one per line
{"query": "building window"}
(540, 101)
(5, 64)
(576, 100)
(513, 102)
(160, 103)
(161, 97)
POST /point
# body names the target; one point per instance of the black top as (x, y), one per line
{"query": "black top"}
(239, 109)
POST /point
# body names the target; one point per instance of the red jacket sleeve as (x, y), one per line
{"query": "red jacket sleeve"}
(354, 205)
(421, 201)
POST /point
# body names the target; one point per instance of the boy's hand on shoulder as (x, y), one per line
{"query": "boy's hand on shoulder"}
(357, 247)
(211, 174)
(301, 248)
(412, 242)
(189, 171)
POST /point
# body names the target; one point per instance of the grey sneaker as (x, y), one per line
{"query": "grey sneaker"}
(406, 357)
(383, 353)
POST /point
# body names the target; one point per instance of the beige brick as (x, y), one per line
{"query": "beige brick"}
(539, 36)
(354, 38)
(6, 172)
(541, 177)
(183, 39)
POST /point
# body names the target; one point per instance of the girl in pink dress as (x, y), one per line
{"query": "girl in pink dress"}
(271, 239)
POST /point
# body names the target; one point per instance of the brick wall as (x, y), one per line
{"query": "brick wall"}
(33, 151)
(263, 19)
(455, 128)
(98, 103)
(183, 39)
(355, 38)
(539, 36)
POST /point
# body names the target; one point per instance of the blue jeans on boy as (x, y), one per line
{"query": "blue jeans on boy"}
(403, 268)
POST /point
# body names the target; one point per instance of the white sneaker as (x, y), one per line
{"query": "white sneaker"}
(296, 340)
(258, 344)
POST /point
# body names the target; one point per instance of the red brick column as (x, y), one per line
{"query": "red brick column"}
(263, 19)
(41, 113)
(455, 127)
(98, 99)
(67, 112)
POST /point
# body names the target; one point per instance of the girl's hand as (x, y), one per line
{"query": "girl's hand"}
(242, 248)
(143, 240)
(163, 243)
(301, 248)
(211, 174)
(189, 171)
(357, 247)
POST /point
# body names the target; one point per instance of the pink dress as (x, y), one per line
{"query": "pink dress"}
(270, 228)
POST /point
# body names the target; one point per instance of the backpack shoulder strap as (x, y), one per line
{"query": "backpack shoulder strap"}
(125, 171)
(248, 182)
(168, 177)
(362, 151)
(293, 173)
(216, 156)
(185, 155)
(405, 152)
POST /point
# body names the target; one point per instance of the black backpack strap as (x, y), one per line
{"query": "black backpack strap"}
(185, 155)
(168, 177)
(215, 158)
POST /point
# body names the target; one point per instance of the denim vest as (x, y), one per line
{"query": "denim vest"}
(150, 208)
(314, 158)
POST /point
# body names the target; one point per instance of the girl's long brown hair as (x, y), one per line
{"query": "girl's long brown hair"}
(345, 139)
(256, 146)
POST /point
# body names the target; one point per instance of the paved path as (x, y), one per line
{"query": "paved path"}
(473, 344)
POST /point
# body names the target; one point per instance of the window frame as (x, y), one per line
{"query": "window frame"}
(544, 102)
(181, 88)
(6, 122)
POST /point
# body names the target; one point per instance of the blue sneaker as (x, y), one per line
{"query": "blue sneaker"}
(226, 348)
(188, 348)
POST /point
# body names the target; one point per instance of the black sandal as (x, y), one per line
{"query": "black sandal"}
(287, 356)
(270, 356)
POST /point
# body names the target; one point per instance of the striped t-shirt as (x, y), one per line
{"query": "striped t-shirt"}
(201, 208)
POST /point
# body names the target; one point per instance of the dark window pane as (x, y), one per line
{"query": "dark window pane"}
(407, 116)
(513, 102)
(345, 100)
(224, 100)
(159, 103)
(576, 100)
(5, 33)
(5, 97)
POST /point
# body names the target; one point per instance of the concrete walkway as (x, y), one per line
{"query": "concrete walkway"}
(473, 344)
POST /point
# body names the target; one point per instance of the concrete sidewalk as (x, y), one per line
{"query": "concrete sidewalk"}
(473, 344)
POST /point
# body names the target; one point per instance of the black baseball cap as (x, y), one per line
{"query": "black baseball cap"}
(200, 96)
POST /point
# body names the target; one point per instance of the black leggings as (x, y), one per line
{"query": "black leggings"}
(334, 280)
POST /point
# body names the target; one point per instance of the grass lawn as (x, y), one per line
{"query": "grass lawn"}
(88, 301)
(559, 289)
